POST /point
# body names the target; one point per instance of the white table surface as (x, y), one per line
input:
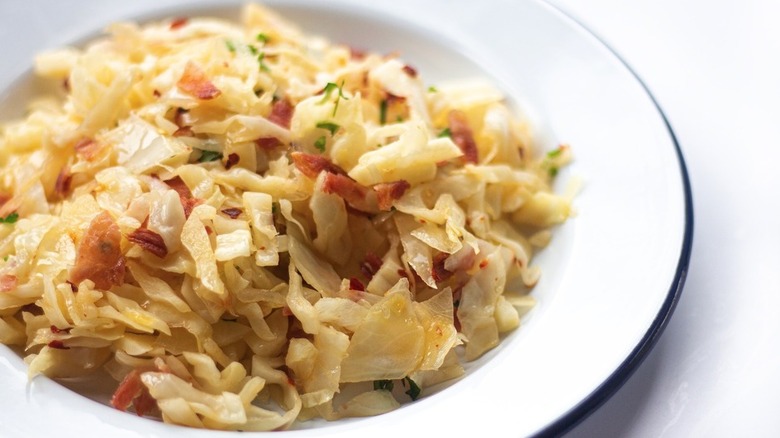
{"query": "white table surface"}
(714, 67)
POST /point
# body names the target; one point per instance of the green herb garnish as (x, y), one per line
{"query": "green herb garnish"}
(320, 144)
(553, 171)
(383, 112)
(554, 153)
(432, 89)
(414, 390)
(230, 46)
(206, 156)
(330, 126)
(330, 87)
(253, 50)
(387, 385)
(261, 61)
(10, 219)
(445, 133)
(261, 37)
(5, 259)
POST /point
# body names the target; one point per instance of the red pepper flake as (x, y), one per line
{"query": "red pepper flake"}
(268, 143)
(386, 193)
(56, 330)
(178, 22)
(8, 282)
(483, 264)
(461, 135)
(232, 160)
(58, 345)
(439, 272)
(209, 231)
(62, 185)
(312, 164)
(371, 264)
(281, 113)
(355, 284)
(99, 256)
(402, 273)
(195, 83)
(232, 212)
(150, 241)
(156, 93)
(411, 71)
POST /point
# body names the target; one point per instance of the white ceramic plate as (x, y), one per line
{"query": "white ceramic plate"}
(611, 276)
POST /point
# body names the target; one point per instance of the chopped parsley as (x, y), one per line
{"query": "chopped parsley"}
(261, 61)
(414, 390)
(387, 385)
(5, 259)
(261, 37)
(445, 133)
(330, 87)
(383, 112)
(10, 219)
(206, 156)
(230, 46)
(320, 144)
(432, 89)
(554, 153)
(553, 171)
(330, 126)
(253, 50)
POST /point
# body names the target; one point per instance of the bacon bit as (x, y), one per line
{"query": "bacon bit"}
(268, 143)
(386, 193)
(178, 22)
(129, 389)
(4, 198)
(184, 131)
(62, 186)
(195, 83)
(355, 284)
(281, 113)
(150, 241)
(232, 212)
(99, 257)
(188, 202)
(209, 231)
(87, 148)
(312, 164)
(462, 136)
(144, 402)
(347, 188)
(411, 71)
(156, 93)
(439, 272)
(357, 54)
(371, 264)
(402, 272)
(8, 282)
(232, 160)
(483, 264)
(59, 345)
(56, 330)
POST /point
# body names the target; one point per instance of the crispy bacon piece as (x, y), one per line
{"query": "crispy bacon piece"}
(8, 282)
(184, 131)
(386, 193)
(371, 264)
(178, 22)
(282, 112)
(87, 148)
(232, 212)
(439, 272)
(59, 345)
(462, 135)
(62, 186)
(411, 71)
(132, 391)
(188, 202)
(195, 83)
(311, 164)
(99, 257)
(347, 188)
(150, 241)
(232, 160)
(268, 143)
(355, 284)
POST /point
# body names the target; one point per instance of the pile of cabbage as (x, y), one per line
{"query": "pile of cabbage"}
(327, 259)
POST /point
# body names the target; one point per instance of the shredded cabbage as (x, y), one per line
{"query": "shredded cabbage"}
(247, 226)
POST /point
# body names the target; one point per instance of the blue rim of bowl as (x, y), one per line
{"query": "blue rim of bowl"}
(626, 369)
